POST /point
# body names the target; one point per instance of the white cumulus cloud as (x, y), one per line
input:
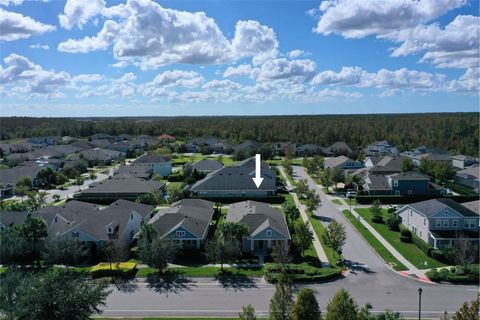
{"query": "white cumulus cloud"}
(15, 26)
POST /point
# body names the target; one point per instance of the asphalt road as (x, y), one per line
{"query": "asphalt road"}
(377, 285)
(213, 299)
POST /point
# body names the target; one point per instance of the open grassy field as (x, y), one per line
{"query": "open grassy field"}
(374, 243)
(408, 250)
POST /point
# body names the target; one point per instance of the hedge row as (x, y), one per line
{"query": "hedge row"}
(455, 275)
(422, 245)
(410, 199)
(301, 273)
(104, 269)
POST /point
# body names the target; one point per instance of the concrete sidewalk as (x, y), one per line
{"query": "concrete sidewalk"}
(316, 242)
(411, 268)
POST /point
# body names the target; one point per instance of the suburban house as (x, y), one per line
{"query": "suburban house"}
(135, 171)
(308, 150)
(186, 222)
(432, 157)
(338, 148)
(118, 187)
(99, 156)
(9, 219)
(281, 148)
(10, 177)
(384, 164)
(381, 148)
(130, 148)
(159, 164)
(166, 138)
(469, 177)
(267, 226)
(45, 141)
(235, 182)
(248, 146)
(342, 162)
(204, 165)
(223, 147)
(461, 162)
(409, 183)
(198, 144)
(441, 222)
(95, 225)
(102, 143)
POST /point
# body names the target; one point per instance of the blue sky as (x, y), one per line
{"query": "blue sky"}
(141, 57)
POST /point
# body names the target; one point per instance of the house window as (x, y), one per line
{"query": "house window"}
(438, 223)
(269, 233)
(397, 192)
(131, 216)
(466, 223)
(75, 234)
(180, 234)
(472, 223)
(410, 191)
(56, 219)
(445, 223)
(454, 223)
(395, 183)
(110, 231)
(424, 222)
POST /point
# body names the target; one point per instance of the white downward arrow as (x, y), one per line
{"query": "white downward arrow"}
(258, 165)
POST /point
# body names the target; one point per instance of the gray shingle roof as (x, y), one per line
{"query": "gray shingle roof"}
(124, 185)
(101, 155)
(430, 207)
(237, 177)
(193, 215)
(135, 171)
(206, 165)
(409, 175)
(473, 205)
(12, 175)
(335, 162)
(151, 158)
(257, 216)
(12, 218)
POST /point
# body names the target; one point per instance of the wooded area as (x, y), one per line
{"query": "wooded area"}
(457, 132)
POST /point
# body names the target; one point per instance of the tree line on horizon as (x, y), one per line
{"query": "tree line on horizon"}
(457, 132)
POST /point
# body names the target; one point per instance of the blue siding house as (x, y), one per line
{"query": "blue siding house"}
(267, 226)
(402, 184)
(158, 164)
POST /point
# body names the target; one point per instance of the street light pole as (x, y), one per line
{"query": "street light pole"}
(420, 303)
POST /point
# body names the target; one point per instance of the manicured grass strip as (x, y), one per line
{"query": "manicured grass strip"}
(374, 243)
(347, 201)
(207, 271)
(337, 201)
(408, 250)
(319, 231)
(172, 318)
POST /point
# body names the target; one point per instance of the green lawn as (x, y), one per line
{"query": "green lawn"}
(408, 250)
(172, 318)
(207, 271)
(353, 200)
(179, 159)
(319, 231)
(337, 201)
(374, 243)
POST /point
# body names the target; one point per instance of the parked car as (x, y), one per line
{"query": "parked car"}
(392, 206)
(351, 194)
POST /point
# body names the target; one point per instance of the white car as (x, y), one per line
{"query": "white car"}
(392, 206)
(351, 194)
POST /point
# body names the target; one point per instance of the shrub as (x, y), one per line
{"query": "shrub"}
(377, 219)
(405, 235)
(455, 275)
(391, 210)
(422, 245)
(393, 222)
(123, 269)
(300, 273)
